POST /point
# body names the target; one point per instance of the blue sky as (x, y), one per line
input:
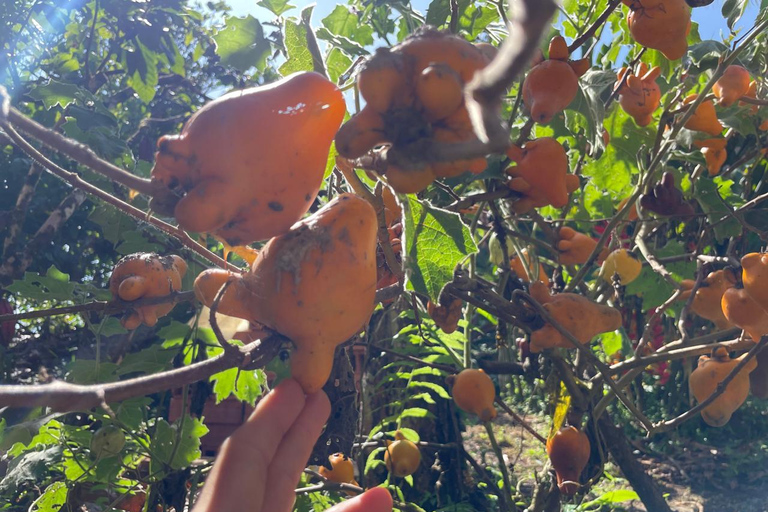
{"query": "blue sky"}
(710, 20)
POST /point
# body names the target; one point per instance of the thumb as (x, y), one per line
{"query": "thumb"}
(377, 499)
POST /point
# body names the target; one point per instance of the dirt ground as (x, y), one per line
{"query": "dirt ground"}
(696, 480)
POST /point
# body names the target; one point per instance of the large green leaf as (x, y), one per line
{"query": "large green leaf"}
(711, 198)
(246, 386)
(277, 7)
(299, 56)
(435, 241)
(241, 43)
(653, 288)
(56, 93)
(142, 71)
(53, 286)
(52, 500)
(343, 22)
(30, 468)
(176, 445)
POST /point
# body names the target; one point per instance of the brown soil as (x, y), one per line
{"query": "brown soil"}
(698, 479)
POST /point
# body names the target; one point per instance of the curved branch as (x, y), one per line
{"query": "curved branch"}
(601, 367)
(76, 181)
(664, 426)
(65, 397)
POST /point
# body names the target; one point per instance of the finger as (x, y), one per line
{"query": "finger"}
(239, 474)
(293, 453)
(377, 499)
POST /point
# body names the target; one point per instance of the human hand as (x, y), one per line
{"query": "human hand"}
(259, 466)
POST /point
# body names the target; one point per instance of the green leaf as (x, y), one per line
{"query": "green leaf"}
(56, 93)
(295, 40)
(47, 435)
(653, 288)
(436, 388)
(438, 12)
(52, 500)
(31, 468)
(53, 286)
(733, 10)
(132, 412)
(617, 496)
(277, 7)
(590, 102)
(374, 459)
(415, 412)
(475, 18)
(435, 242)
(109, 326)
(343, 22)
(88, 119)
(103, 141)
(247, 386)
(176, 445)
(153, 359)
(611, 342)
(174, 334)
(711, 202)
(89, 371)
(337, 63)
(344, 43)
(142, 71)
(241, 43)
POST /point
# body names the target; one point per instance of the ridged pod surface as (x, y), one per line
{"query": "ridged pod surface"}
(708, 374)
(142, 275)
(704, 118)
(575, 248)
(754, 274)
(315, 284)
(714, 153)
(640, 95)
(414, 98)
(541, 175)
(708, 300)
(742, 311)
(250, 163)
(732, 85)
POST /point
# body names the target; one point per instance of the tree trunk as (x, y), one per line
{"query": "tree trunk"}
(619, 447)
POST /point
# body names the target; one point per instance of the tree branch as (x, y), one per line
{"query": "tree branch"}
(76, 181)
(101, 306)
(595, 26)
(664, 426)
(65, 397)
(586, 352)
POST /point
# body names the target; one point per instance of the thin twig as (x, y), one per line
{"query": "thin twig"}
(599, 365)
(76, 181)
(520, 421)
(595, 26)
(106, 307)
